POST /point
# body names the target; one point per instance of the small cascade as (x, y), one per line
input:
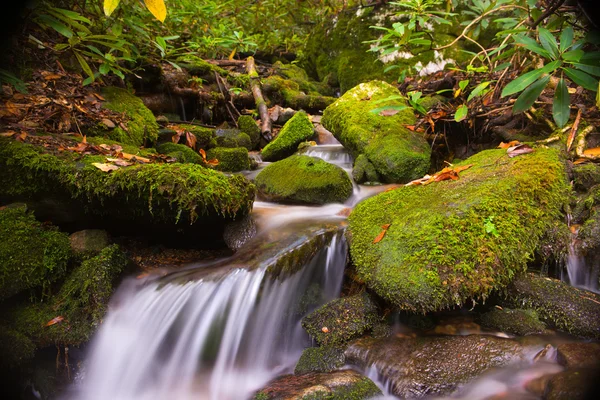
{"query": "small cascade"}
(579, 272)
(218, 339)
(332, 153)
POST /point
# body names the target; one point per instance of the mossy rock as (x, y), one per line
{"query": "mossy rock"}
(82, 301)
(233, 138)
(517, 322)
(15, 347)
(338, 385)
(33, 255)
(230, 159)
(298, 75)
(180, 152)
(248, 126)
(341, 320)
(320, 359)
(585, 176)
(297, 130)
(89, 242)
(142, 129)
(558, 304)
(363, 171)
(205, 137)
(398, 154)
(450, 241)
(288, 93)
(161, 195)
(314, 181)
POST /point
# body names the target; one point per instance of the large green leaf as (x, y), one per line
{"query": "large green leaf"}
(588, 69)
(582, 79)
(84, 65)
(527, 79)
(566, 39)
(573, 55)
(56, 25)
(548, 41)
(560, 106)
(530, 95)
(478, 90)
(532, 45)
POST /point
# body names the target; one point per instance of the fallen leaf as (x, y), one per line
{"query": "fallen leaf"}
(190, 139)
(519, 150)
(50, 76)
(12, 108)
(388, 113)
(595, 151)
(503, 145)
(581, 161)
(21, 137)
(574, 228)
(325, 329)
(108, 123)
(379, 237)
(105, 167)
(8, 133)
(98, 96)
(438, 114)
(55, 320)
(445, 175)
(119, 162)
(128, 156)
(462, 168)
(574, 130)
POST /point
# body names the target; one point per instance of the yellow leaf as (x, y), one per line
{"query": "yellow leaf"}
(109, 6)
(157, 8)
(592, 152)
(232, 54)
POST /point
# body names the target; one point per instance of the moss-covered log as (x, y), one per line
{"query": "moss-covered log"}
(453, 240)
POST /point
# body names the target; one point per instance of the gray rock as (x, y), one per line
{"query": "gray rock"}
(237, 233)
(89, 242)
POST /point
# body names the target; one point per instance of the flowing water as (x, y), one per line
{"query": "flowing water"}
(581, 272)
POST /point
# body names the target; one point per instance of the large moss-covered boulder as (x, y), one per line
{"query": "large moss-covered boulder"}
(32, 254)
(453, 240)
(180, 152)
(426, 366)
(565, 307)
(231, 159)
(397, 153)
(338, 385)
(81, 303)
(297, 130)
(141, 125)
(304, 179)
(341, 320)
(150, 195)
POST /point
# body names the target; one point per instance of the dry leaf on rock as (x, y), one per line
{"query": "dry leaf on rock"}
(55, 320)
(595, 151)
(105, 167)
(382, 233)
(503, 145)
(519, 150)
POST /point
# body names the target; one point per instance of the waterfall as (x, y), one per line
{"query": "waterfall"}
(207, 339)
(580, 272)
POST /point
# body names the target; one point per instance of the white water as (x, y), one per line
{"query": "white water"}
(579, 272)
(217, 340)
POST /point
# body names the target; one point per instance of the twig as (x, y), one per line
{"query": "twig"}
(549, 11)
(573, 130)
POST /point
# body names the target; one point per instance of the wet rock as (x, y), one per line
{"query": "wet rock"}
(363, 170)
(436, 252)
(398, 154)
(230, 159)
(89, 242)
(572, 384)
(341, 320)
(248, 126)
(33, 255)
(427, 366)
(181, 153)
(320, 359)
(578, 355)
(238, 233)
(569, 309)
(518, 322)
(305, 180)
(297, 130)
(337, 385)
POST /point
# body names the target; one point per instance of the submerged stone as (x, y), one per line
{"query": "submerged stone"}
(341, 320)
(573, 384)
(425, 366)
(33, 254)
(453, 240)
(565, 307)
(297, 130)
(338, 385)
(518, 322)
(304, 179)
(397, 153)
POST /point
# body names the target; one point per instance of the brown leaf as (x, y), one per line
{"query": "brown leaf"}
(519, 150)
(324, 329)
(190, 139)
(595, 151)
(581, 161)
(203, 154)
(21, 137)
(503, 145)
(105, 167)
(49, 76)
(55, 320)
(462, 168)
(98, 96)
(388, 113)
(446, 174)
(574, 130)
(8, 133)
(12, 108)
(119, 162)
(128, 156)
(379, 237)
(574, 228)
(214, 162)
(438, 114)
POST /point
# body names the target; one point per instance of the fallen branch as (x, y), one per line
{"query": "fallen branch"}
(261, 105)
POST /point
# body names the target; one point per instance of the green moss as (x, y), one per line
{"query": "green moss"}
(233, 138)
(230, 159)
(15, 348)
(314, 181)
(288, 93)
(205, 137)
(297, 130)
(558, 304)
(299, 76)
(180, 152)
(585, 176)
(82, 301)
(341, 320)
(398, 154)
(32, 254)
(363, 170)
(437, 252)
(142, 128)
(518, 322)
(161, 193)
(247, 125)
(320, 359)
(127, 148)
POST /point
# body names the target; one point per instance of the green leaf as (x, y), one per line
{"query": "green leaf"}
(548, 41)
(573, 55)
(386, 108)
(478, 90)
(560, 106)
(390, 98)
(84, 65)
(589, 69)
(532, 45)
(530, 95)
(527, 79)
(566, 39)
(110, 6)
(56, 25)
(461, 113)
(502, 66)
(598, 96)
(582, 79)
(463, 84)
